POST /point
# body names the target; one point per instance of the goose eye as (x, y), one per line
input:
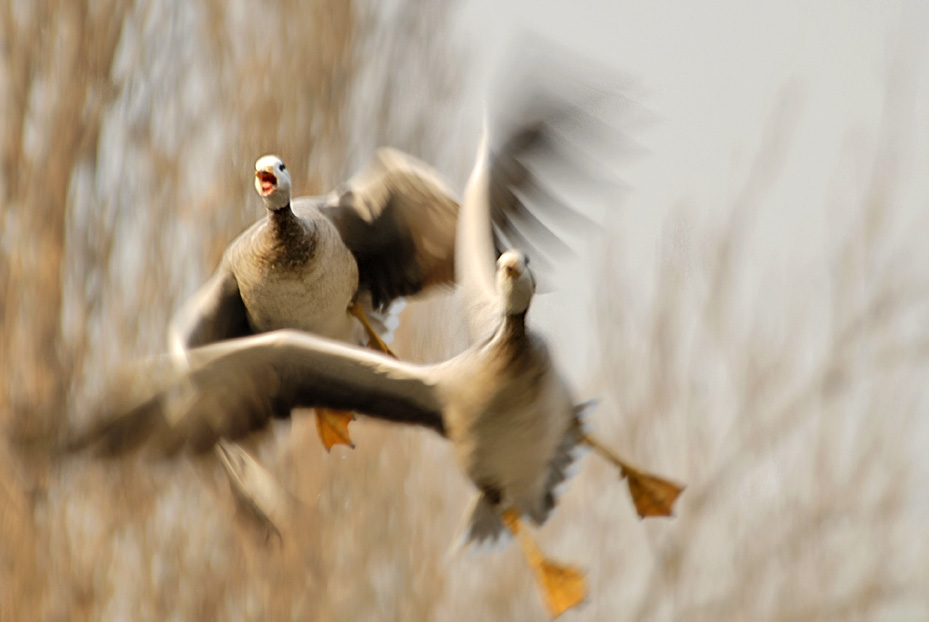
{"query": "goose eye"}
(281, 166)
(526, 259)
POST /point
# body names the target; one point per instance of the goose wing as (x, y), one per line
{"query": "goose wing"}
(216, 312)
(474, 251)
(503, 202)
(235, 387)
(398, 218)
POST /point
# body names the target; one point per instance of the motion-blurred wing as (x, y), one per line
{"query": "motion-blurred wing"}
(398, 218)
(235, 387)
(216, 312)
(260, 499)
(505, 198)
(560, 132)
(474, 253)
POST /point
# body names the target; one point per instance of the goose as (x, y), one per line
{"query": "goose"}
(502, 403)
(323, 264)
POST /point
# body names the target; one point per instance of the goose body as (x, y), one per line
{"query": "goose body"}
(506, 416)
(294, 271)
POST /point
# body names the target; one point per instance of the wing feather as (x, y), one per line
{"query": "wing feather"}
(236, 387)
(398, 218)
(214, 313)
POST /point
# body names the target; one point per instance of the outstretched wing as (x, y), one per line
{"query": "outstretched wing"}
(235, 387)
(398, 218)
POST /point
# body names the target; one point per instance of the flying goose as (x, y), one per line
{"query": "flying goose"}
(321, 264)
(501, 403)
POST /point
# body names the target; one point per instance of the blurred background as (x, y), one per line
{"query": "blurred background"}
(754, 316)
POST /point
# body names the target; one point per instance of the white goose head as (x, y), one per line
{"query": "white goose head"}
(515, 282)
(272, 181)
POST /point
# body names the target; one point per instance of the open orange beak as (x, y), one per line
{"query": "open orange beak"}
(268, 182)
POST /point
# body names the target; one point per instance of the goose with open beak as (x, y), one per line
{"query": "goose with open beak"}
(324, 264)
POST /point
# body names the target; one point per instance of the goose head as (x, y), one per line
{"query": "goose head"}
(272, 181)
(515, 282)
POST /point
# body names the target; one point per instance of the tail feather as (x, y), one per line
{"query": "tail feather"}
(484, 524)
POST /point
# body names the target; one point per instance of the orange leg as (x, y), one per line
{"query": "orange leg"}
(562, 587)
(652, 495)
(332, 425)
(374, 340)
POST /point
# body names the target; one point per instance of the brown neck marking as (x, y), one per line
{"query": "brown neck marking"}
(289, 242)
